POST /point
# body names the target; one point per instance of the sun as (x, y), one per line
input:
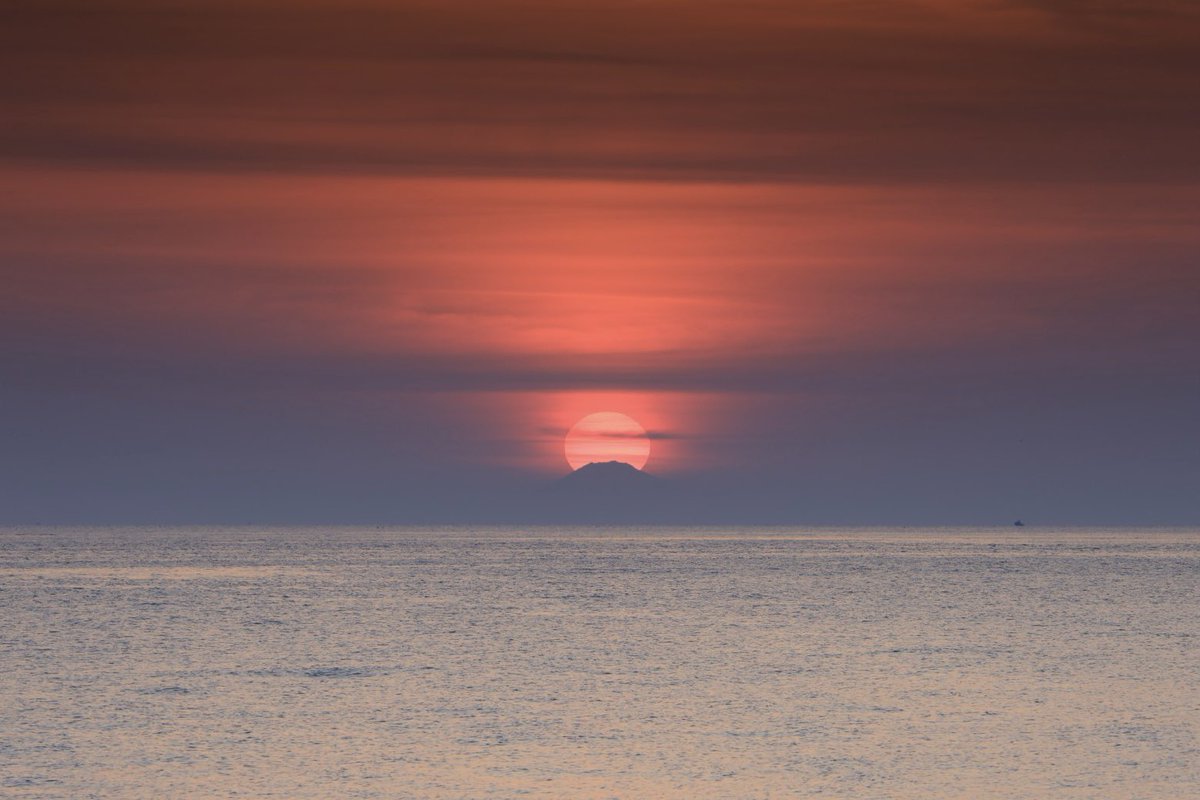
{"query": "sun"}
(607, 436)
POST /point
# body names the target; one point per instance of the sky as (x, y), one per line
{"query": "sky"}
(852, 262)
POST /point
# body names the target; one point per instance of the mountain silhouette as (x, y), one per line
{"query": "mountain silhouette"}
(607, 476)
(609, 491)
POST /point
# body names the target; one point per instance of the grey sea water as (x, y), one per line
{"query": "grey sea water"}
(544, 663)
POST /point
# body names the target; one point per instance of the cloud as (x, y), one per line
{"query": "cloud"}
(653, 435)
(1118, 11)
(775, 92)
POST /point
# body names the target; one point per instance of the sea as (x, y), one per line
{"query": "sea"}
(634, 663)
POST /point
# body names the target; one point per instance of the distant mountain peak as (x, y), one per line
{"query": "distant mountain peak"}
(612, 467)
(607, 491)
(607, 475)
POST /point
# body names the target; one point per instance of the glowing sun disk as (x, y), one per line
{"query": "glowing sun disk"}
(607, 436)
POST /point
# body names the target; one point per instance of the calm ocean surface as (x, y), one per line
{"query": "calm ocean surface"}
(636, 664)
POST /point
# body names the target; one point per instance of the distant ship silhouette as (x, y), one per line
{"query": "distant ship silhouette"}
(1019, 524)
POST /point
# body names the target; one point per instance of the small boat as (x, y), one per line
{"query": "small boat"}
(1019, 524)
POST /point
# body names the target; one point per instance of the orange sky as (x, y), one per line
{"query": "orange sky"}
(699, 213)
